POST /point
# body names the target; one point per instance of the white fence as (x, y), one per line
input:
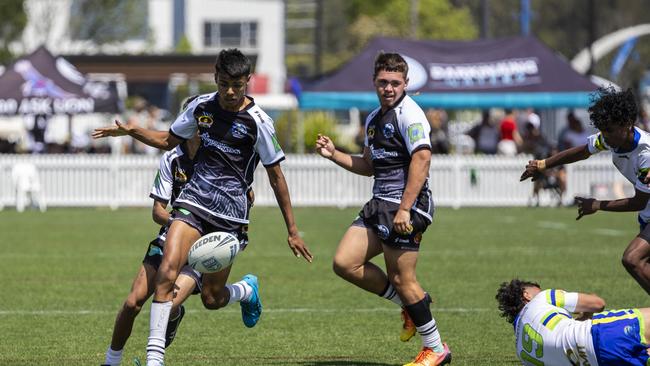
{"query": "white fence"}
(116, 181)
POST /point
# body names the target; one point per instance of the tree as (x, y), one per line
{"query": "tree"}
(14, 20)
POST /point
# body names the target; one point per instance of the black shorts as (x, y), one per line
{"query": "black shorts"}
(240, 231)
(153, 257)
(378, 215)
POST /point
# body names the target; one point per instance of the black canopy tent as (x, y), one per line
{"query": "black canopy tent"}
(43, 84)
(514, 72)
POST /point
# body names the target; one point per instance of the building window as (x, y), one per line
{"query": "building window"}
(230, 34)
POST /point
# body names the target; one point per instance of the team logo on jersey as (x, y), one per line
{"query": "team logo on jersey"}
(382, 231)
(238, 130)
(180, 176)
(415, 132)
(371, 132)
(205, 120)
(417, 238)
(389, 130)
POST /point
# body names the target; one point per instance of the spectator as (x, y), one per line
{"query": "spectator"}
(438, 121)
(485, 135)
(574, 134)
(510, 138)
(534, 143)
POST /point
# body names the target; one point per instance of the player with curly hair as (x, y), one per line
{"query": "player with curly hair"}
(613, 113)
(547, 334)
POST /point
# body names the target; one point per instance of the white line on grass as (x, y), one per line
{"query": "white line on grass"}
(277, 310)
(552, 225)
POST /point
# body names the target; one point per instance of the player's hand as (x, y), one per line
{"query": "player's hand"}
(586, 206)
(402, 222)
(325, 147)
(531, 171)
(119, 129)
(299, 248)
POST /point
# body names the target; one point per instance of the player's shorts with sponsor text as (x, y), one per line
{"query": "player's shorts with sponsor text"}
(240, 231)
(619, 339)
(378, 215)
(153, 257)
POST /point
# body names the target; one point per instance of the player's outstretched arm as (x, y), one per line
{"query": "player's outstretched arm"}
(356, 164)
(158, 139)
(567, 156)
(281, 190)
(588, 206)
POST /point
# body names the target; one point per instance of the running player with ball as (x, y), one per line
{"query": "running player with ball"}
(236, 135)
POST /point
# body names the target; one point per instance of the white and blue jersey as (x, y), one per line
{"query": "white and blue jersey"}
(392, 138)
(634, 164)
(232, 144)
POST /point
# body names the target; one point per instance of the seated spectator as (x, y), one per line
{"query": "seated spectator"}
(574, 134)
(438, 121)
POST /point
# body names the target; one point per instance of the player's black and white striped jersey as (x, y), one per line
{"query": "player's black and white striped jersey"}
(175, 169)
(392, 138)
(232, 144)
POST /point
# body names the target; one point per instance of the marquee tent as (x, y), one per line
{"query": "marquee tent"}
(514, 72)
(43, 84)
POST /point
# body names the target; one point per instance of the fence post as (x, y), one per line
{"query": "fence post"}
(457, 182)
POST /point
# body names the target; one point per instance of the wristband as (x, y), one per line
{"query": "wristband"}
(541, 165)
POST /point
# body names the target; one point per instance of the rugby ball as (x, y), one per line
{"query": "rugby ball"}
(213, 252)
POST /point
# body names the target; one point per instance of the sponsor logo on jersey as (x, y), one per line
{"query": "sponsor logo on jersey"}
(415, 132)
(180, 176)
(276, 144)
(205, 120)
(371, 132)
(382, 153)
(209, 142)
(238, 130)
(382, 231)
(389, 130)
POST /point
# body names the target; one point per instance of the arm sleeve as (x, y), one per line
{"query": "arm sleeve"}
(184, 127)
(415, 129)
(596, 143)
(162, 185)
(562, 299)
(267, 145)
(642, 171)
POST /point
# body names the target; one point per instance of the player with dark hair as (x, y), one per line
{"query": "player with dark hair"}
(397, 153)
(547, 334)
(175, 169)
(235, 135)
(614, 113)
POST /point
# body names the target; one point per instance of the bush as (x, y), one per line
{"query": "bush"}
(314, 123)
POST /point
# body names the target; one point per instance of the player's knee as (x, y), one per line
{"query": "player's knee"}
(630, 261)
(341, 268)
(133, 305)
(212, 302)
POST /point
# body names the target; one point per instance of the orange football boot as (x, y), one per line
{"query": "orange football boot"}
(427, 357)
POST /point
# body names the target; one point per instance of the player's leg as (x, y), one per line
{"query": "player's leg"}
(216, 294)
(636, 258)
(185, 285)
(352, 260)
(141, 290)
(400, 265)
(180, 237)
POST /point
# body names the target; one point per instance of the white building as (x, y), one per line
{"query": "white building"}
(254, 26)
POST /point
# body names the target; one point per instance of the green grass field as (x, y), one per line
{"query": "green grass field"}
(66, 272)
